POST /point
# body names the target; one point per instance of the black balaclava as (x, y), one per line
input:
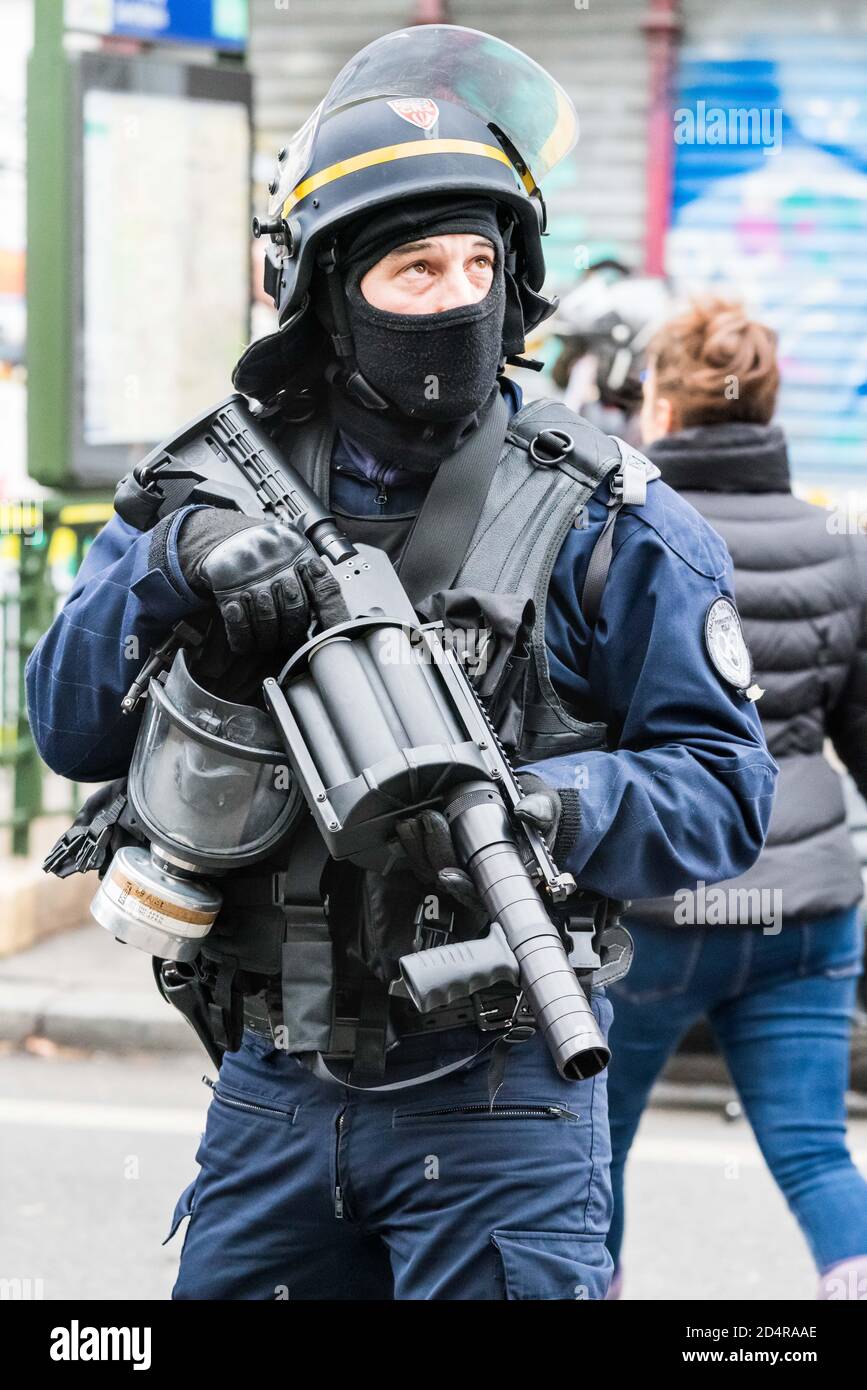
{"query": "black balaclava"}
(438, 372)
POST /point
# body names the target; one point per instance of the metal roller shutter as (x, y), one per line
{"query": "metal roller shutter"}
(786, 229)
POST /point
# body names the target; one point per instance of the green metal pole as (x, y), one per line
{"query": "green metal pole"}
(48, 254)
(48, 379)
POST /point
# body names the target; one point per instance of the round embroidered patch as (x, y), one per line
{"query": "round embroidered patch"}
(725, 644)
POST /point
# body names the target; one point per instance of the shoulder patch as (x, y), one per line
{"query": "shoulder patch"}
(729, 653)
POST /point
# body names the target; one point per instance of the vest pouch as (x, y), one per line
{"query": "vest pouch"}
(307, 991)
(491, 634)
(249, 930)
(546, 735)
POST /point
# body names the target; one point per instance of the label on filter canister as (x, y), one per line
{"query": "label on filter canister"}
(153, 908)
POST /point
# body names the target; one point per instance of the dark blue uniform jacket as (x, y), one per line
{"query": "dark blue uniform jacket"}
(684, 795)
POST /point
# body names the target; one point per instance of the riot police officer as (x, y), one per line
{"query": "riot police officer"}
(442, 1156)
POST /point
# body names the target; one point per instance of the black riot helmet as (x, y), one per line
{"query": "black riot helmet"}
(432, 110)
(609, 319)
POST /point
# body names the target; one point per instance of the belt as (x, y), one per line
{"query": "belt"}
(492, 1010)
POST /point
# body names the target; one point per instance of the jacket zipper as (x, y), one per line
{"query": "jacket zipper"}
(541, 1111)
(338, 1186)
(247, 1104)
(378, 482)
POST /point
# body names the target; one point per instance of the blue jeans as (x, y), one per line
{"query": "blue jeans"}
(311, 1191)
(780, 1007)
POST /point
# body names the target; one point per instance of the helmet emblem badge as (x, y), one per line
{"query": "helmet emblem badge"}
(419, 111)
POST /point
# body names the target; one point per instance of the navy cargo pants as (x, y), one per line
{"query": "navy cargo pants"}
(308, 1190)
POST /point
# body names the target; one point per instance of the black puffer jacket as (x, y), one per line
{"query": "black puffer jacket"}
(801, 587)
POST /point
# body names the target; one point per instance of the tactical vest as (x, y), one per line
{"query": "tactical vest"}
(528, 513)
(551, 463)
(274, 939)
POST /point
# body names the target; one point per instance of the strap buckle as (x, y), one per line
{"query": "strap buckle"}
(629, 481)
(583, 954)
(430, 932)
(499, 1013)
(85, 847)
(616, 951)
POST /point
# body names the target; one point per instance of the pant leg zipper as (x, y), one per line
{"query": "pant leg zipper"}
(506, 1111)
(248, 1104)
(338, 1187)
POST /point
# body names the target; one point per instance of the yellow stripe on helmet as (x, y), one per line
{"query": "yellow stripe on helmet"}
(385, 155)
(529, 182)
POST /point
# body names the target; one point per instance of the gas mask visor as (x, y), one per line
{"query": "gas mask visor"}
(206, 779)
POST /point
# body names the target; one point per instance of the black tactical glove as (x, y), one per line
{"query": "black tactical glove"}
(540, 806)
(326, 602)
(265, 578)
(426, 839)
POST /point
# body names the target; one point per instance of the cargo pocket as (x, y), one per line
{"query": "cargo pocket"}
(553, 1265)
(183, 1207)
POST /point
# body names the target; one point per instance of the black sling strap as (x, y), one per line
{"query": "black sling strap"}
(599, 565)
(441, 534)
(629, 486)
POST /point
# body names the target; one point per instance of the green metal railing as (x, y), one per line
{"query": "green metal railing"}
(42, 545)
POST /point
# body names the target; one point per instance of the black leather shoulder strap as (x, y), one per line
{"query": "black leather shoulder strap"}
(442, 531)
(557, 437)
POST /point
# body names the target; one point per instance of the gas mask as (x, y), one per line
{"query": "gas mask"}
(212, 793)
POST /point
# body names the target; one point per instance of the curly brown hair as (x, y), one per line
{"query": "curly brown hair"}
(714, 364)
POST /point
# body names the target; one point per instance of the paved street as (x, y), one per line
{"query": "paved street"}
(96, 1150)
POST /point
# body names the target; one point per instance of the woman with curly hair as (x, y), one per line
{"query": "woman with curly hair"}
(770, 959)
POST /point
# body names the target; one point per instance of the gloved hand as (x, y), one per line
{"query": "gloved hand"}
(426, 840)
(540, 806)
(265, 578)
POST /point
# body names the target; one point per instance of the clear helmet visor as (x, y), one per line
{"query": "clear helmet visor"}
(295, 161)
(447, 62)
